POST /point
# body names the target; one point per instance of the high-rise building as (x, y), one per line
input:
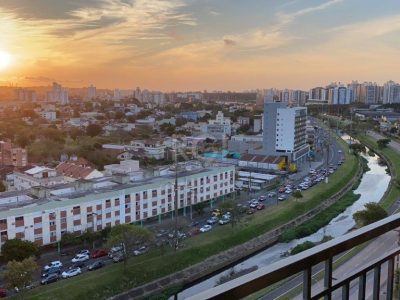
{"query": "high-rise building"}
(341, 95)
(391, 92)
(318, 93)
(25, 95)
(285, 131)
(370, 93)
(91, 92)
(58, 94)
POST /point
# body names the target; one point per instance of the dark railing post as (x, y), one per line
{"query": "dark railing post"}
(362, 280)
(377, 283)
(328, 277)
(390, 279)
(307, 283)
(346, 291)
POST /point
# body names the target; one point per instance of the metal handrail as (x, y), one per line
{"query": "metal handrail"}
(266, 276)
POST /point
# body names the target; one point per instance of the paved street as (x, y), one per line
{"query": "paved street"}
(377, 136)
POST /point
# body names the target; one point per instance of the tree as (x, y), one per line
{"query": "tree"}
(93, 130)
(297, 194)
(199, 208)
(382, 143)
(129, 236)
(244, 128)
(357, 148)
(168, 129)
(373, 212)
(16, 249)
(19, 274)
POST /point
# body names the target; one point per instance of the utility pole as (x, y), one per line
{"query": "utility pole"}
(176, 242)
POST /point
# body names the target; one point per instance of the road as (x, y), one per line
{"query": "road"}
(377, 136)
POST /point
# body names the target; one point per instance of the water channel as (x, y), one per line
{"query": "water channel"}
(371, 189)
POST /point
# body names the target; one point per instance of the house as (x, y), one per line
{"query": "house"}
(78, 169)
(127, 167)
(151, 148)
(36, 176)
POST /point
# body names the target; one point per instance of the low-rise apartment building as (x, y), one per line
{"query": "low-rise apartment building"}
(45, 214)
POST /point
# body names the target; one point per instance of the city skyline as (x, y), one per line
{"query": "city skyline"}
(198, 45)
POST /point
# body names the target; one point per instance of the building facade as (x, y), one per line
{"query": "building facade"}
(97, 204)
(285, 131)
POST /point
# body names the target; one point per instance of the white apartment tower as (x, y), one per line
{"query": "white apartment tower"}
(285, 131)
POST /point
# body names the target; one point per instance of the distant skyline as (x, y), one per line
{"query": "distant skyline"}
(198, 44)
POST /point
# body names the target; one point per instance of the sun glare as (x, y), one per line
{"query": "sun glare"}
(5, 60)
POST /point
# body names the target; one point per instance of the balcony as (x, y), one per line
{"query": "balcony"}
(374, 279)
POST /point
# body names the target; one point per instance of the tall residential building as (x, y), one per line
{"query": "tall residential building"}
(341, 95)
(370, 93)
(25, 95)
(91, 92)
(58, 94)
(391, 92)
(285, 131)
(318, 93)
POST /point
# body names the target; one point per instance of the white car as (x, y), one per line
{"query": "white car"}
(205, 228)
(85, 251)
(288, 191)
(253, 204)
(271, 194)
(53, 264)
(71, 273)
(80, 258)
(141, 250)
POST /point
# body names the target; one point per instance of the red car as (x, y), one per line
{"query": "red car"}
(281, 189)
(99, 253)
(260, 206)
(3, 292)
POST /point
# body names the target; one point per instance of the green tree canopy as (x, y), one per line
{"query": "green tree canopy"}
(16, 249)
(373, 212)
(382, 143)
(93, 130)
(19, 274)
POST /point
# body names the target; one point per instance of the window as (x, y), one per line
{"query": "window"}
(17, 219)
(52, 223)
(3, 222)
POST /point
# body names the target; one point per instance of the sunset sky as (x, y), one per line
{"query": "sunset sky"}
(198, 44)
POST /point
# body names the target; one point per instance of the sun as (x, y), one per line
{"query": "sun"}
(5, 59)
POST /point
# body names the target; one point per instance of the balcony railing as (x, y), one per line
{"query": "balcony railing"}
(303, 263)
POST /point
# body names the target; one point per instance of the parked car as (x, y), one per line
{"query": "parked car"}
(282, 189)
(260, 206)
(212, 220)
(50, 279)
(271, 194)
(80, 258)
(3, 292)
(282, 198)
(71, 273)
(53, 270)
(216, 212)
(53, 264)
(250, 211)
(96, 265)
(253, 205)
(85, 251)
(99, 253)
(141, 250)
(114, 250)
(288, 191)
(224, 220)
(205, 228)
(262, 198)
(118, 257)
